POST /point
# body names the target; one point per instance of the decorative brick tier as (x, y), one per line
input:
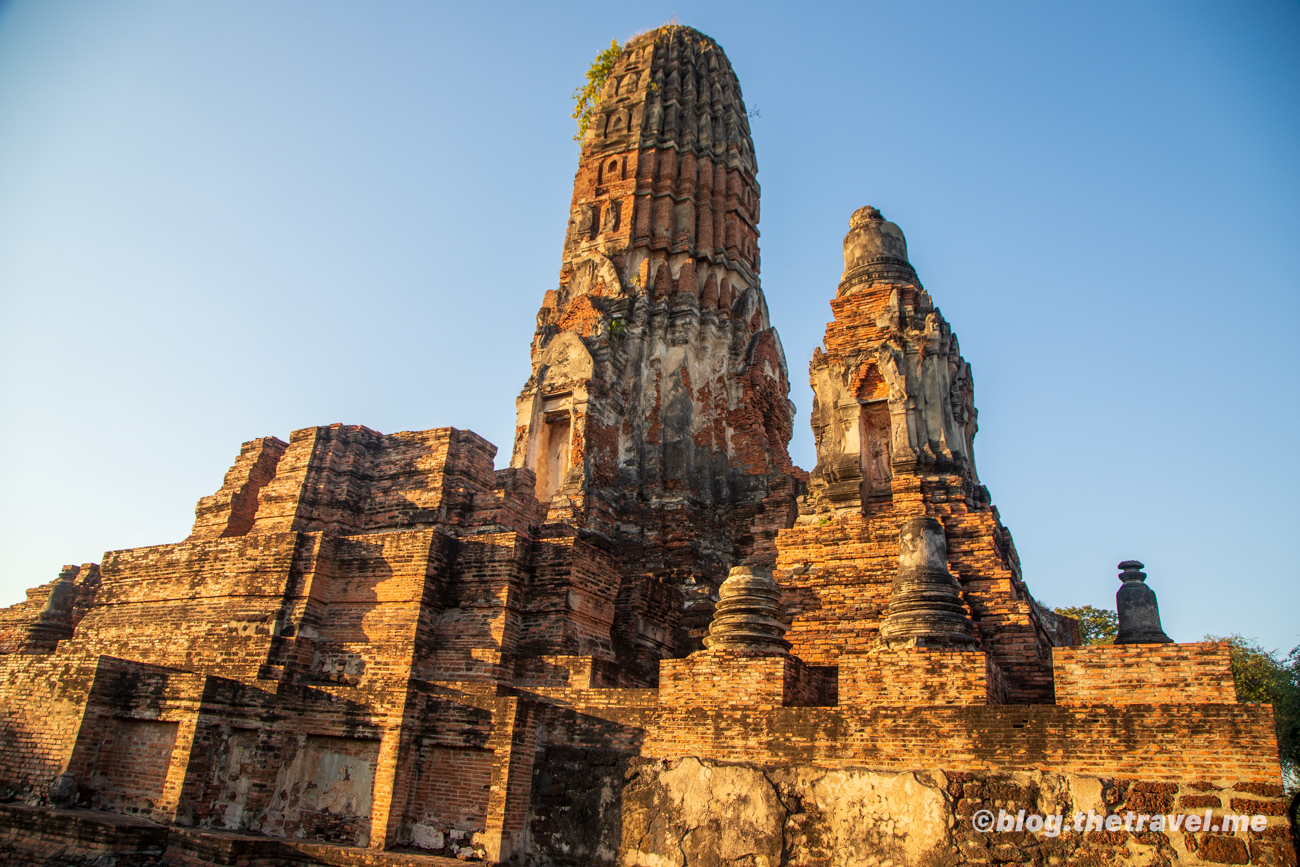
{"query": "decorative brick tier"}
(737, 679)
(919, 676)
(1122, 674)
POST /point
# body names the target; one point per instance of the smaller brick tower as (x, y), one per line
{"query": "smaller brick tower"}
(894, 421)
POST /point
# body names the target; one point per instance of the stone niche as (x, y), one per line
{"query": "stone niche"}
(550, 414)
(554, 442)
(876, 454)
(129, 769)
(327, 791)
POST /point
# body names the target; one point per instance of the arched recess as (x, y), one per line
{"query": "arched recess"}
(565, 367)
(874, 440)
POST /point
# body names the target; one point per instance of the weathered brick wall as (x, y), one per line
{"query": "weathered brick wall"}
(207, 606)
(252, 762)
(451, 790)
(1123, 674)
(136, 738)
(477, 629)
(231, 510)
(1164, 741)
(380, 587)
(510, 506)
(15, 620)
(648, 616)
(349, 479)
(41, 697)
(919, 676)
(331, 781)
(571, 591)
(723, 678)
(837, 574)
(598, 806)
(128, 771)
(565, 671)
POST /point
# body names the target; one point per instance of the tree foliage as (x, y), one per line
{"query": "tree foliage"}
(587, 98)
(1266, 677)
(1095, 625)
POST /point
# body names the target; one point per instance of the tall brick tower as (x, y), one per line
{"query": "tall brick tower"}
(657, 411)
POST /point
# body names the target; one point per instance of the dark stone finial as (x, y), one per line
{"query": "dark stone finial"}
(748, 617)
(925, 605)
(1139, 614)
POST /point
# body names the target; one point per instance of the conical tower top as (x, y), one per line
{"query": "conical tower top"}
(667, 163)
(673, 87)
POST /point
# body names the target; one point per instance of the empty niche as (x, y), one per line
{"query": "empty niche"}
(606, 172)
(553, 444)
(449, 794)
(131, 764)
(327, 791)
(234, 777)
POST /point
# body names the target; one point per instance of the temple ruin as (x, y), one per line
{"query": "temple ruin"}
(650, 639)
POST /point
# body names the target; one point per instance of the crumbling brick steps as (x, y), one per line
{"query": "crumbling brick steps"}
(32, 836)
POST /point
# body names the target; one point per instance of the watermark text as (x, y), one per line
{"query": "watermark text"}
(1091, 822)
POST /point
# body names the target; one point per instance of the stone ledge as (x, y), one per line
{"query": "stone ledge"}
(29, 835)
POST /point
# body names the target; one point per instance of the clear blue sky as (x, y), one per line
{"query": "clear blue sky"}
(222, 220)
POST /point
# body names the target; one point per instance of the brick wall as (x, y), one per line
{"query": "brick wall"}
(128, 771)
(596, 807)
(1163, 741)
(837, 572)
(919, 676)
(330, 787)
(232, 509)
(1123, 674)
(571, 591)
(451, 788)
(41, 698)
(727, 678)
(207, 606)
